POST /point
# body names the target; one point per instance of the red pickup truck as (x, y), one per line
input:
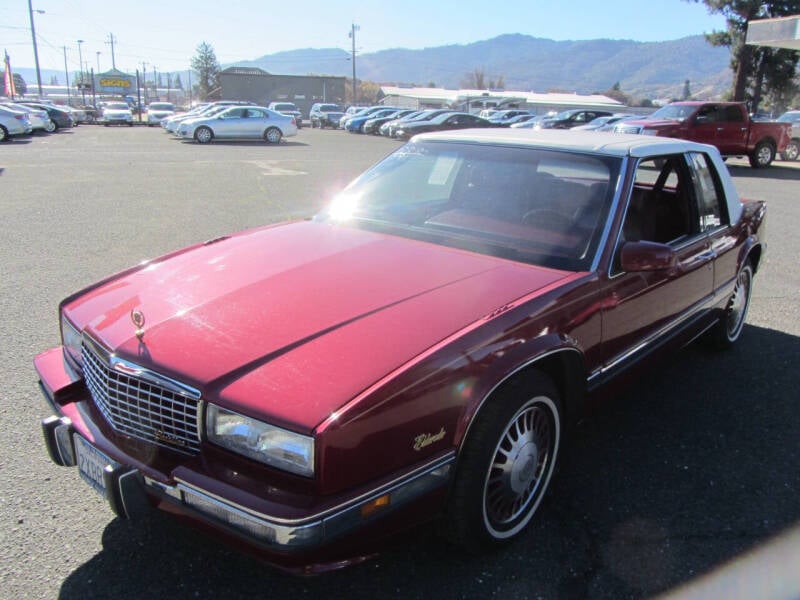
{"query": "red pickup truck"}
(725, 125)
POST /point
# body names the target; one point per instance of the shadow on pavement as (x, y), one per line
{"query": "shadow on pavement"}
(691, 467)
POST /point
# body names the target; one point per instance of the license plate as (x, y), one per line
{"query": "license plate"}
(92, 464)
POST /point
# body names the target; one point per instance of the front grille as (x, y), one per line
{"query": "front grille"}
(140, 403)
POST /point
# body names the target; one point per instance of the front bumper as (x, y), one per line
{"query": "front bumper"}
(311, 531)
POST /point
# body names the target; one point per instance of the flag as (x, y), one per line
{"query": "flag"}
(11, 89)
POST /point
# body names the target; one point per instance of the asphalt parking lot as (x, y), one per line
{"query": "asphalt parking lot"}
(688, 474)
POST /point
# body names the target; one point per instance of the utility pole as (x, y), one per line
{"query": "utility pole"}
(66, 72)
(111, 40)
(35, 49)
(144, 80)
(155, 82)
(190, 88)
(98, 61)
(353, 29)
(80, 63)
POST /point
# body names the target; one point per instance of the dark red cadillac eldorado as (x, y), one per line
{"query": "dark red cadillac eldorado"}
(417, 351)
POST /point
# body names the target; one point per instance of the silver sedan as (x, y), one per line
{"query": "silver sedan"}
(239, 122)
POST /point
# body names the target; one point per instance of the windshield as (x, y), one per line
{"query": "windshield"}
(329, 108)
(673, 112)
(117, 106)
(284, 106)
(161, 106)
(537, 206)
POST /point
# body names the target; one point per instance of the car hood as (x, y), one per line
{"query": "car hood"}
(290, 322)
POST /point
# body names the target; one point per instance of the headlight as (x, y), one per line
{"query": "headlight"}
(649, 132)
(71, 340)
(260, 441)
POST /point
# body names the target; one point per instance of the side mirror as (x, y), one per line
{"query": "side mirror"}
(647, 256)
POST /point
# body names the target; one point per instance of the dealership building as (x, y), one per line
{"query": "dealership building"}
(261, 87)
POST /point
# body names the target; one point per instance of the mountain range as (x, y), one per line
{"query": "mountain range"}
(642, 69)
(654, 70)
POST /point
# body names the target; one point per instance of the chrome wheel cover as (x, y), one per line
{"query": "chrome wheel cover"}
(203, 135)
(764, 155)
(791, 151)
(737, 305)
(521, 467)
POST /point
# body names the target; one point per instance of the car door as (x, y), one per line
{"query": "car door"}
(646, 306)
(230, 123)
(254, 123)
(704, 124)
(731, 129)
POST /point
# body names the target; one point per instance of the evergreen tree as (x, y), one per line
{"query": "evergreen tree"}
(751, 64)
(177, 82)
(207, 67)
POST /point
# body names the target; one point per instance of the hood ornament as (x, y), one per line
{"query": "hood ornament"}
(137, 316)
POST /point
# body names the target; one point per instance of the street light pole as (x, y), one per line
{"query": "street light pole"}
(353, 29)
(98, 61)
(35, 49)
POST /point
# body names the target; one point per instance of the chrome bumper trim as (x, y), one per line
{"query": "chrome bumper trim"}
(313, 530)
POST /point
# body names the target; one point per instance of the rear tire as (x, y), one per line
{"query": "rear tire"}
(729, 328)
(272, 135)
(763, 155)
(4, 134)
(791, 151)
(505, 465)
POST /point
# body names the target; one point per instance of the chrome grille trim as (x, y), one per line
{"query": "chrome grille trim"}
(627, 129)
(141, 403)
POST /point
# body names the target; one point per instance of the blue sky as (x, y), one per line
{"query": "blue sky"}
(165, 34)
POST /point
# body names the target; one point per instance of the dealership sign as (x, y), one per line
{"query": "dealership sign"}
(115, 83)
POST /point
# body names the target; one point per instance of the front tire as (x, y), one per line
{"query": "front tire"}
(51, 126)
(506, 464)
(203, 135)
(273, 135)
(4, 134)
(791, 151)
(729, 328)
(763, 155)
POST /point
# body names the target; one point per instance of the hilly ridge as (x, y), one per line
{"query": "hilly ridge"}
(643, 69)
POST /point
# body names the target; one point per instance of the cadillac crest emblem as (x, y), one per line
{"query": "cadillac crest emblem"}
(137, 316)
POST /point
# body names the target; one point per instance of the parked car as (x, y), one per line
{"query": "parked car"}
(425, 115)
(355, 124)
(530, 123)
(357, 111)
(444, 122)
(726, 125)
(40, 120)
(604, 121)
(60, 116)
(213, 383)
(158, 111)
(524, 118)
(239, 122)
(373, 124)
(571, 118)
(117, 113)
(204, 109)
(502, 117)
(791, 150)
(288, 108)
(324, 115)
(13, 123)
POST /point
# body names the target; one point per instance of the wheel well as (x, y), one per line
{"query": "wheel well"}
(567, 370)
(755, 257)
(767, 140)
